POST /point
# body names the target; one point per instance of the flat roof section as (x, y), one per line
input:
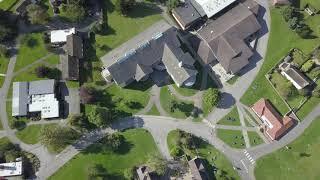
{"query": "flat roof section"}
(11, 169)
(212, 7)
(20, 99)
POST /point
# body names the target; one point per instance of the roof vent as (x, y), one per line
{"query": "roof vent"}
(192, 14)
(211, 32)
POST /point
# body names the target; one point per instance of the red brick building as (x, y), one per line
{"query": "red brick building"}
(274, 125)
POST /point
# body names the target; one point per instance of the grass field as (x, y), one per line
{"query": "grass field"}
(28, 75)
(8, 4)
(153, 111)
(139, 144)
(233, 138)
(212, 155)
(31, 134)
(3, 68)
(254, 138)
(182, 109)
(281, 40)
(123, 28)
(300, 161)
(54, 59)
(31, 49)
(232, 118)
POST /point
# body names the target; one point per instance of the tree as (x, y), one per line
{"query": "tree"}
(124, 6)
(113, 141)
(303, 31)
(288, 12)
(99, 116)
(79, 121)
(87, 94)
(96, 171)
(157, 164)
(286, 89)
(12, 155)
(74, 12)
(129, 173)
(293, 23)
(42, 71)
(176, 151)
(3, 51)
(8, 28)
(56, 138)
(171, 4)
(211, 97)
(37, 14)
(307, 66)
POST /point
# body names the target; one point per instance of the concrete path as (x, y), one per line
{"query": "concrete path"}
(244, 131)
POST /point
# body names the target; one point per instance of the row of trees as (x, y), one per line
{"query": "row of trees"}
(123, 7)
(296, 22)
(47, 72)
(8, 28)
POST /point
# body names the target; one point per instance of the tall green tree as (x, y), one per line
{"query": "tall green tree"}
(99, 116)
(37, 14)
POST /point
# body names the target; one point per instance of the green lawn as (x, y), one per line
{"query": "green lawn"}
(48, 6)
(139, 144)
(54, 59)
(31, 49)
(246, 121)
(212, 155)
(123, 28)
(233, 138)
(31, 134)
(9, 113)
(182, 110)
(300, 161)
(232, 118)
(8, 4)
(277, 80)
(3, 68)
(73, 84)
(281, 40)
(233, 80)
(124, 102)
(28, 75)
(153, 111)
(254, 138)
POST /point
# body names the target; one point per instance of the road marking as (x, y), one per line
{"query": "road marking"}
(244, 166)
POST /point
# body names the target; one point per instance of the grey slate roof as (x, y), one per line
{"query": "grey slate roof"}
(142, 53)
(20, 98)
(186, 14)
(297, 76)
(74, 46)
(197, 169)
(42, 87)
(172, 59)
(225, 38)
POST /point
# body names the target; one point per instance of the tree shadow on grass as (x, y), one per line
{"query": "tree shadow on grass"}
(186, 108)
(141, 86)
(32, 42)
(143, 9)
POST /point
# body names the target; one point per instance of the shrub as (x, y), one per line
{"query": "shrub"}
(304, 92)
(316, 92)
(176, 152)
(307, 66)
(99, 116)
(78, 121)
(42, 71)
(293, 23)
(315, 73)
(3, 51)
(113, 141)
(87, 94)
(211, 97)
(288, 12)
(37, 14)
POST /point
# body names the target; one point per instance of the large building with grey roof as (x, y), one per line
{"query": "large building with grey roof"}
(35, 97)
(225, 39)
(157, 48)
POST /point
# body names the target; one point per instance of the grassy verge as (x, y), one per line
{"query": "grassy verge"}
(31, 49)
(54, 59)
(233, 138)
(214, 157)
(281, 40)
(8, 4)
(122, 28)
(3, 68)
(300, 161)
(31, 134)
(254, 138)
(232, 118)
(139, 144)
(181, 110)
(153, 111)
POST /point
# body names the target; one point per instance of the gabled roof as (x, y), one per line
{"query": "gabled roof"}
(20, 98)
(197, 169)
(70, 67)
(186, 14)
(225, 38)
(294, 74)
(74, 46)
(42, 87)
(266, 111)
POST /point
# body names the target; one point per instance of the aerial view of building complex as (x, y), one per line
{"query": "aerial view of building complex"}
(159, 90)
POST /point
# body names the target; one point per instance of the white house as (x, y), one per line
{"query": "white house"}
(11, 169)
(60, 36)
